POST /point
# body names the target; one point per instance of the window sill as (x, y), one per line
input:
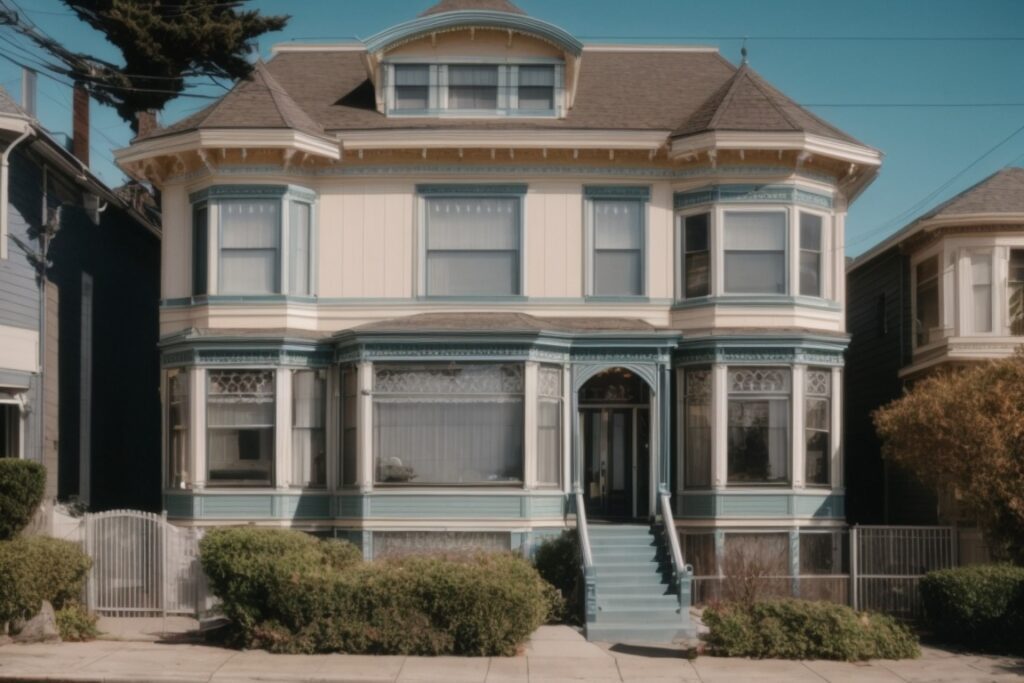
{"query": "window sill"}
(616, 299)
(473, 113)
(427, 298)
(757, 300)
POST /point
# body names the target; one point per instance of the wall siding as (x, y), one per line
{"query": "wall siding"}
(19, 291)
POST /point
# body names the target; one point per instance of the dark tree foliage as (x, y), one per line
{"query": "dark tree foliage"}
(163, 42)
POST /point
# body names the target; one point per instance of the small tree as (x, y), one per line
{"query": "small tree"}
(963, 432)
(22, 485)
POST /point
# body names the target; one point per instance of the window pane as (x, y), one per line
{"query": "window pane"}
(696, 232)
(200, 249)
(754, 272)
(177, 428)
(300, 252)
(697, 428)
(549, 425)
(472, 75)
(240, 427)
(472, 87)
(467, 273)
(537, 88)
(10, 433)
(1016, 293)
(412, 74)
(927, 314)
(309, 450)
(617, 273)
(249, 247)
(810, 232)
(472, 247)
(349, 397)
(248, 271)
(755, 231)
(537, 75)
(817, 458)
(981, 279)
(439, 424)
(617, 224)
(758, 441)
(810, 273)
(412, 86)
(696, 256)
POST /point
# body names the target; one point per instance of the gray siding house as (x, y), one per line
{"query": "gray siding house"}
(79, 281)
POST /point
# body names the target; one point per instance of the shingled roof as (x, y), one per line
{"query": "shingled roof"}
(1001, 192)
(747, 102)
(460, 5)
(8, 105)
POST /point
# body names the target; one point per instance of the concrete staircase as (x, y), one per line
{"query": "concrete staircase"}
(636, 602)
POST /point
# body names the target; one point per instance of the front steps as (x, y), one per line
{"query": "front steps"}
(636, 602)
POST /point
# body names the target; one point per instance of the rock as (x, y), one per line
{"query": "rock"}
(42, 628)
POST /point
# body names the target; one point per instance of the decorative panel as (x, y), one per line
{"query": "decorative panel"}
(758, 380)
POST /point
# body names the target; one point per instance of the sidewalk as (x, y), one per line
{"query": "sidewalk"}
(555, 653)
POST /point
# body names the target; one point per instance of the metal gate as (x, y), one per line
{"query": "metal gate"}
(887, 563)
(142, 565)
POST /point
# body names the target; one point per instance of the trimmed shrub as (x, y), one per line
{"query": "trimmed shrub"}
(802, 629)
(980, 607)
(21, 491)
(300, 595)
(75, 623)
(36, 569)
(558, 562)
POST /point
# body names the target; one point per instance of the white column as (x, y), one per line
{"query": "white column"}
(1000, 293)
(282, 427)
(197, 425)
(568, 428)
(212, 247)
(962, 323)
(793, 251)
(331, 437)
(839, 262)
(719, 426)
(717, 242)
(364, 418)
(836, 464)
(530, 377)
(797, 438)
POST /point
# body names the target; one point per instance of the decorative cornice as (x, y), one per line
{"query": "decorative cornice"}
(755, 301)
(470, 189)
(638, 192)
(249, 191)
(808, 350)
(747, 194)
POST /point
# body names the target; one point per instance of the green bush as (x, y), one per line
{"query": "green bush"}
(558, 562)
(75, 623)
(802, 629)
(39, 568)
(294, 595)
(21, 491)
(980, 607)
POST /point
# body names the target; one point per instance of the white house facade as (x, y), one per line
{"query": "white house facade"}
(462, 282)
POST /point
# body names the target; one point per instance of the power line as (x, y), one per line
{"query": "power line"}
(820, 38)
(910, 105)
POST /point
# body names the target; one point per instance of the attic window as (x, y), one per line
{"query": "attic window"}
(439, 89)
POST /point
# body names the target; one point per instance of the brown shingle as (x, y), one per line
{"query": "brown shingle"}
(459, 5)
(1001, 192)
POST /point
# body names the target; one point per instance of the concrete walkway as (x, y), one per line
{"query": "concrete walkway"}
(555, 653)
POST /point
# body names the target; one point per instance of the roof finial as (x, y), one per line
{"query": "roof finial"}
(743, 51)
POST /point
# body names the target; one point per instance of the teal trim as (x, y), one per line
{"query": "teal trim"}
(471, 190)
(638, 192)
(757, 301)
(781, 504)
(748, 194)
(515, 299)
(422, 26)
(249, 191)
(16, 379)
(759, 349)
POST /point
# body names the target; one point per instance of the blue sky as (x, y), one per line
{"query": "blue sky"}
(819, 53)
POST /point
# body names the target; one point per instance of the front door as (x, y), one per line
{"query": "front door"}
(617, 461)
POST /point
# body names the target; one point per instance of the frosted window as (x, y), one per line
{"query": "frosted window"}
(448, 424)
(472, 247)
(981, 291)
(300, 249)
(249, 243)
(309, 449)
(240, 427)
(618, 247)
(755, 252)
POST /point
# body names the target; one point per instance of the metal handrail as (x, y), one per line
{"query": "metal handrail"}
(581, 527)
(679, 569)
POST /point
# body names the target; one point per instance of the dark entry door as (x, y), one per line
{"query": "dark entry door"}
(614, 475)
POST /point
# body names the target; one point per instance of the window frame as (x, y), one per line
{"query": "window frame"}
(9, 403)
(321, 375)
(207, 436)
(592, 196)
(787, 212)
(937, 256)
(681, 253)
(787, 481)
(829, 429)
(822, 251)
(425, 193)
(559, 426)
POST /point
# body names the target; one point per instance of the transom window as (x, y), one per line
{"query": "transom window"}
(755, 252)
(758, 425)
(473, 246)
(926, 313)
(448, 424)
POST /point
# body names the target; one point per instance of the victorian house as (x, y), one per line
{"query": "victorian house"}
(470, 283)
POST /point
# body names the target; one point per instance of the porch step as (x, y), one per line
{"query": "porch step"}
(617, 602)
(618, 632)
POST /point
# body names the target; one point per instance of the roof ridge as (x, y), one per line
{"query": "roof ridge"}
(277, 91)
(727, 98)
(757, 81)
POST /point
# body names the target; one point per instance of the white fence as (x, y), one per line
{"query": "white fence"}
(142, 565)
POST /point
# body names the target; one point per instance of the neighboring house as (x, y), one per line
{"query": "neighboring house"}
(945, 291)
(79, 287)
(419, 291)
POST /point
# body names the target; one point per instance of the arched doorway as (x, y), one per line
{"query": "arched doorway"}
(615, 444)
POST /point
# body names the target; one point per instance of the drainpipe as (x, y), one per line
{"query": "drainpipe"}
(4, 180)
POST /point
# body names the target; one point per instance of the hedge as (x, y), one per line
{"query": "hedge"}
(22, 483)
(980, 607)
(804, 629)
(289, 593)
(39, 568)
(558, 562)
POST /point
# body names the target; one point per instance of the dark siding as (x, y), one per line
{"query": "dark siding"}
(19, 291)
(877, 318)
(124, 262)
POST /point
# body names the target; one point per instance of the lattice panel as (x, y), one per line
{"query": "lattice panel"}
(818, 383)
(549, 381)
(698, 386)
(758, 380)
(449, 379)
(244, 384)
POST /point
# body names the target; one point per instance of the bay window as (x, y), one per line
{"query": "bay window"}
(696, 255)
(810, 254)
(448, 424)
(250, 236)
(817, 418)
(1015, 295)
(618, 243)
(549, 425)
(472, 246)
(309, 448)
(926, 300)
(755, 252)
(240, 417)
(758, 425)
(177, 429)
(697, 427)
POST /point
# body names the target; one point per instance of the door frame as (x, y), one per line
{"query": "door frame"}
(634, 447)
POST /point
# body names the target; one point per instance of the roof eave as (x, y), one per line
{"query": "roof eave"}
(690, 145)
(227, 138)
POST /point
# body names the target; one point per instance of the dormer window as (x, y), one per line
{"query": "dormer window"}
(472, 89)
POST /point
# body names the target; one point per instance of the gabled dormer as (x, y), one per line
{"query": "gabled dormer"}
(473, 59)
